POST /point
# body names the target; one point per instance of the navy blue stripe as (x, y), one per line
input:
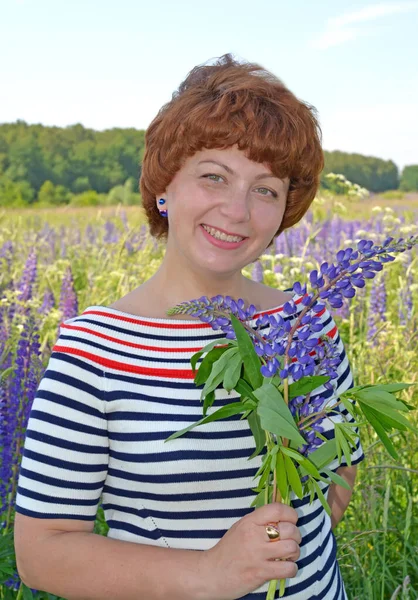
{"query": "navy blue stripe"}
(181, 497)
(71, 359)
(63, 464)
(61, 483)
(61, 400)
(55, 500)
(42, 515)
(67, 424)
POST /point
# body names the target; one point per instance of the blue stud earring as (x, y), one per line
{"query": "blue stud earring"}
(163, 213)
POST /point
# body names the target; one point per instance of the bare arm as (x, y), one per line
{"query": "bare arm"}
(338, 497)
(65, 558)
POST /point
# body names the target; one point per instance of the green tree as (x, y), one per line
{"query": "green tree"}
(15, 193)
(409, 179)
(55, 195)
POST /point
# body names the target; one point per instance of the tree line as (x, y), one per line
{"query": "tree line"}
(61, 165)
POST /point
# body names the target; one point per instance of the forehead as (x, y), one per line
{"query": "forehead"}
(231, 157)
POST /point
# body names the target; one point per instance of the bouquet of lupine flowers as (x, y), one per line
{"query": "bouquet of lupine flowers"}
(280, 412)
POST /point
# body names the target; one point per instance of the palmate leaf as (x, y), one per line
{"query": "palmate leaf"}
(389, 409)
(249, 356)
(217, 373)
(222, 413)
(281, 477)
(205, 366)
(335, 478)
(324, 454)
(321, 496)
(303, 461)
(233, 372)
(245, 390)
(381, 398)
(208, 348)
(377, 426)
(258, 433)
(342, 444)
(306, 385)
(293, 476)
(275, 415)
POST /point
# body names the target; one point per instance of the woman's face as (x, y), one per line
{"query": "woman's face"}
(223, 190)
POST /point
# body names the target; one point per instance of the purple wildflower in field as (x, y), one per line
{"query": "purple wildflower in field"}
(16, 398)
(112, 234)
(91, 235)
(257, 272)
(25, 285)
(68, 304)
(48, 302)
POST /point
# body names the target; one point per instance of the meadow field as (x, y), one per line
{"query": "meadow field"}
(55, 263)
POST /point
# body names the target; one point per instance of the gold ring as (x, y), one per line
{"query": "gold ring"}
(273, 532)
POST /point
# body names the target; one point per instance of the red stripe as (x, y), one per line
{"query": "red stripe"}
(172, 325)
(114, 364)
(130, 344)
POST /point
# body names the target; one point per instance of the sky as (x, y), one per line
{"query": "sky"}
(114, 63)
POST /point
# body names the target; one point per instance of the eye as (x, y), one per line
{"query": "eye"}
(271, 192)
(211, 175)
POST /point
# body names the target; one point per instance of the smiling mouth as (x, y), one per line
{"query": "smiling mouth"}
(219, 235)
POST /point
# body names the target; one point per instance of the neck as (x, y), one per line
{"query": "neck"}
(173, 285)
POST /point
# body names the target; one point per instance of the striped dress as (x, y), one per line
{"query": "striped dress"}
(116, 386)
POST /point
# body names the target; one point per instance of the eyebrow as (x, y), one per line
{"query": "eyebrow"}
(229, 170)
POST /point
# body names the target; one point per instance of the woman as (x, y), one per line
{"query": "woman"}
(231, 161)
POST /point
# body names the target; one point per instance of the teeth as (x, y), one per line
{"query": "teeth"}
(222, 236)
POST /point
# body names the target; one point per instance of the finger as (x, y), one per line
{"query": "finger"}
(274, 512)
(283, 550)
(287, 531)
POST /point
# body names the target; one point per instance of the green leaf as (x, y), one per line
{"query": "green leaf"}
(392, 387)
(306, 385)
(249, 356)
(207, 348)
(302, 460)
(222, 413)
(392, 413)
(205, 366)
(258, 500)
(281, 476)
(275, 414)
(208, 402)
(293, 477)
(342, 443)
(243, 388)
(377, 399)
(324, 454)
(27, 592)
(321, 497)
(233, 372)
(258, 433)
(337, 479)
(217, 373)
(375, 423)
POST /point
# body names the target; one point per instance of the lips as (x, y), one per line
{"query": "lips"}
(224, 231)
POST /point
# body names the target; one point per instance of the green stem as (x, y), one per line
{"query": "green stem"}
(20, 592)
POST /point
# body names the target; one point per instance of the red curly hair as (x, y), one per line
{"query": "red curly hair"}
(228, 103)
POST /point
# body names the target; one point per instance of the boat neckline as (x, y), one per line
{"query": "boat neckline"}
(143, 319)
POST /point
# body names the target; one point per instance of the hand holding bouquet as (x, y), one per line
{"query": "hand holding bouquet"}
(276, 374)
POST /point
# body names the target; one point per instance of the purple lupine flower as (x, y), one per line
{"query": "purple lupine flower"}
(28, 278)
(15, 403)
(91, 234)
(48, 302)
(68, 304)
(257, 272)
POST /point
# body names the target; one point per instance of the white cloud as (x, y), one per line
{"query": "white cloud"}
(337, 32)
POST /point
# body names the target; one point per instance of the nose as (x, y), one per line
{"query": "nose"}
(236, 206)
